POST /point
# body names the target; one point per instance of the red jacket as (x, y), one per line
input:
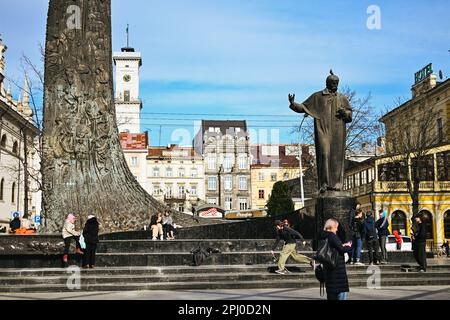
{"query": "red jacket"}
(398, 238)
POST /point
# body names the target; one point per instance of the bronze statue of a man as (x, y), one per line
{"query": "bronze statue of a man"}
(331, 112)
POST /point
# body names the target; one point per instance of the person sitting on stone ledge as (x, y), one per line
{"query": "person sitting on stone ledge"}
(69, 233)
(167, 223)
(15, 223)
(156, 226)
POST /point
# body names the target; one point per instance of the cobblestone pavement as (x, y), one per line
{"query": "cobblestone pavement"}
(388, 293)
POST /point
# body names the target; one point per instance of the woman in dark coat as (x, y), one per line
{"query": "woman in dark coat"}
(336, 281)
(90, 234)
(419, 239)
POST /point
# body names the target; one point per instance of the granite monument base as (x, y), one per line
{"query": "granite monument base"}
(334, 204)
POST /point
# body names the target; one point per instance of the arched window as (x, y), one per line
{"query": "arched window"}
(428, 221)
(447, 224)
(2, 184)
(13, 193)
(3, 142)
(15, 149)
(399, 222)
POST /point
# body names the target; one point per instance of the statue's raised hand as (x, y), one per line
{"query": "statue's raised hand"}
(291, 98)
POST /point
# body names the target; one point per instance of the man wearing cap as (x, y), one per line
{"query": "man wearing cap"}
(289, 236)
(331, 112)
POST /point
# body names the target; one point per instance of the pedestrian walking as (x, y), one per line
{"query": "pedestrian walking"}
(69, 233)
(371, 238)
(336, 280)
(289, 237)
(419, 239)
(90, 234)
(382, 226)
(357, 230)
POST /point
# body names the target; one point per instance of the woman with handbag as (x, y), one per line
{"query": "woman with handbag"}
(336, 281)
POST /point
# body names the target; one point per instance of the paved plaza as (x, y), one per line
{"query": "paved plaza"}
(389, 293)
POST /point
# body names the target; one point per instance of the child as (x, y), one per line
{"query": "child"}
(398, 239)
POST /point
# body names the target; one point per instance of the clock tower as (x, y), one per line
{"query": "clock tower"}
(127, 101)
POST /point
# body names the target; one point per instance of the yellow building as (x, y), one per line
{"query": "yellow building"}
(271, 164)
(381, 183)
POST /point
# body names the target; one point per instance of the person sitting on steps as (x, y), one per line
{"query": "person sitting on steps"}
(168, 228)
(69, 233)
(156, 226)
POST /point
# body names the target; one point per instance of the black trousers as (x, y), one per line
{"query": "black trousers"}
(420, 254)
(89, 254)
(67, 242)
(372, 247)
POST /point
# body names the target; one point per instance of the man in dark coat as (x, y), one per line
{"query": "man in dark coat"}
(336, 280)
(15, 223)
(419, 239)
(369, 233)
(90, 234)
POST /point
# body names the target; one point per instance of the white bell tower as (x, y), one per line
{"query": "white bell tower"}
(127, 100)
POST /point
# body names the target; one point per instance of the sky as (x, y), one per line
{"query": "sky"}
(239, 59)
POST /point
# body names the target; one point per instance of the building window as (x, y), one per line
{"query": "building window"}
(181, 207)
(15, 149)
(273, 177)
(443, 166)
(133, 161)
(2, 186)
(181, 172)
(286, 176)
(211, 163)
(243, 204)
(194, 189)
(13, 194)
(169, 172)
(364, 177)
(357, 180)
(243, 163)
(227, 163)
(228, 203)
(242, 183)
(228, 182)
(212, 201)
(156, 172)
(3, 143)
(169, 190)
(447, 224)
(194, 173)
(181, 191)
(212, 183)
(261, 176)
(126, 96)
(261, 194)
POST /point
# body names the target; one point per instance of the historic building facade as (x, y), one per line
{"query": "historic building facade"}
(176, 176)
(381, 182)
(225, 148)
(18, 154)
(272, 163)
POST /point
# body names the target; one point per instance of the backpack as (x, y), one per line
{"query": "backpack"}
(199, 256)
(326, 255)
(321, 277)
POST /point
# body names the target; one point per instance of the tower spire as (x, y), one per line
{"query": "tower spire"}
(128, 35)
(25, 92)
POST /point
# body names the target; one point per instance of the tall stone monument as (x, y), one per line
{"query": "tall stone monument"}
(331, 112)
(84, 169)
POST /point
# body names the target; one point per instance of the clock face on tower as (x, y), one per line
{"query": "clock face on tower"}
(127, 78)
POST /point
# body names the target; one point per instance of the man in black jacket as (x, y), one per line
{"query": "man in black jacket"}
(289, 236)
(419, 239)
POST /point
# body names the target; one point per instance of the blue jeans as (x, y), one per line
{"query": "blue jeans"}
(356, 249)
(343, 295)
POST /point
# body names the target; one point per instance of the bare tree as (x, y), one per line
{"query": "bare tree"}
(408, 145)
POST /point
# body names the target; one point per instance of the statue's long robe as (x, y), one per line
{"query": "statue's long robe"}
(330, 134)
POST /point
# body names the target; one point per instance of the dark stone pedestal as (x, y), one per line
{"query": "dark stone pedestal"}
(334, 204)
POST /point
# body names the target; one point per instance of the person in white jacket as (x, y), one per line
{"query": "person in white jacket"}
(68, 234)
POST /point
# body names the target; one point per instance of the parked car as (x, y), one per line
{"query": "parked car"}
(391, 245)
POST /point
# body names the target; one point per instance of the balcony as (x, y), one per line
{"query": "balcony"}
(398, 186)
(175, 197)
